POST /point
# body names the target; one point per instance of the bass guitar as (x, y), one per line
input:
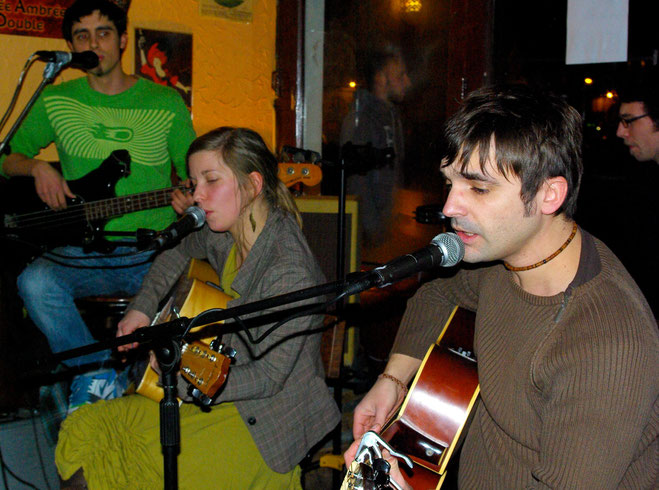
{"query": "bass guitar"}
(204, 362)
(83, 220)
(292, 173)
(433, 418)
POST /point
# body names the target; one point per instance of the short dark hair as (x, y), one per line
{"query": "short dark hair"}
(376, 58)
(536, 135)
(83, 8)
(643, 88)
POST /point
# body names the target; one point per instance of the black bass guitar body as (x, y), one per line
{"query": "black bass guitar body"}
(28, 220)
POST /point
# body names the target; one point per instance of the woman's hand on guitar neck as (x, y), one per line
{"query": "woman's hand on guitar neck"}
(131, 321)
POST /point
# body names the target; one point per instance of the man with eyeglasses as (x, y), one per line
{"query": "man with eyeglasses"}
(639, 120)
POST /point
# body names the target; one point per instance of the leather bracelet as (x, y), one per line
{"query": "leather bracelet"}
(395, 380)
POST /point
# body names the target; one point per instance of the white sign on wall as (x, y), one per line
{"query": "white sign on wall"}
(596, 31)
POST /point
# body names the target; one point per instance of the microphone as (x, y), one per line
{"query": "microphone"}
(86, 59)
(193, 218)
(445, 250)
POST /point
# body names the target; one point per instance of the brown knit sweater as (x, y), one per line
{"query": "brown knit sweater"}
(569, 383)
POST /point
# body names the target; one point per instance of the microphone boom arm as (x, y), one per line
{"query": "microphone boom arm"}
(446, 250)
(354, 283)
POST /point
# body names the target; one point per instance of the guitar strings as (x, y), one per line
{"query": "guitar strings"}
(77, 212)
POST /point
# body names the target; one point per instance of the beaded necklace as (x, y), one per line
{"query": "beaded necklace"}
(544, 261)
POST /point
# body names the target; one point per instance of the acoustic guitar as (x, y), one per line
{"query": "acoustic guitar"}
(202, 366)
(433, 418)
(82, 222)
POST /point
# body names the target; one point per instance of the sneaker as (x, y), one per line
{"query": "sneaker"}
(104, 384)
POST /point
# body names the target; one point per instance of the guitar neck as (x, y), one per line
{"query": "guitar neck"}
(117, 206)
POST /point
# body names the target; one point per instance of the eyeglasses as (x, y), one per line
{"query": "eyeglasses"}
(626, 121)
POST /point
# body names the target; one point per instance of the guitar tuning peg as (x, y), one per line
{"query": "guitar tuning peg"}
(229, 352)
(381, 469)
(200, 397)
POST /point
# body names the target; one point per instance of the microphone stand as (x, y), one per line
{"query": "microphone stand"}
(51, 70)
(166, 338)
(340, 307)
(169, 357)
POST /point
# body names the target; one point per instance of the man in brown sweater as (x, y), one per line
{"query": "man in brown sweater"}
(567, 347)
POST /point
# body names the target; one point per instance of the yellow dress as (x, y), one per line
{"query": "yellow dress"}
(117, 444)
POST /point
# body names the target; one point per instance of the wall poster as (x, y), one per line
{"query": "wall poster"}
(166, 58)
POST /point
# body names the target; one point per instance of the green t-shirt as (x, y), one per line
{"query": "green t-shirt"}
(148, 120)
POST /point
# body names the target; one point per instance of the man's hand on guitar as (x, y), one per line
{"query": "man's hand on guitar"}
(378, 406)
(375, 409)
(375, 465)
(394, 472)
(381, 402)
(182, 200)
(383, 399)
(129, 323)
(50, 185)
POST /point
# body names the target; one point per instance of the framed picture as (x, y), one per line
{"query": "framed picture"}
(165, 58)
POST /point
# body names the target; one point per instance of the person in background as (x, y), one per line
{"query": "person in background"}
(566, 345)
(274, 405)
(372, 140)
(617, 194)
(87, 119)
(639, 119)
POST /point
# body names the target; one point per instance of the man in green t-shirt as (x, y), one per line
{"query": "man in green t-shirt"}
(87, 119)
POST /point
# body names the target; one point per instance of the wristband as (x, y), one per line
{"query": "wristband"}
(395, 380)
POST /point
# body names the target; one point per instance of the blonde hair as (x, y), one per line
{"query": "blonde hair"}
(244, 152)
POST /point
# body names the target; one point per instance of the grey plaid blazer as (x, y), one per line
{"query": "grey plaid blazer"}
(278, 385)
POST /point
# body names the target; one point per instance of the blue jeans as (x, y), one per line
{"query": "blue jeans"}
(49, 289)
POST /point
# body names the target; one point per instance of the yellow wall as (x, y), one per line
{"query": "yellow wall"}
(232, 63)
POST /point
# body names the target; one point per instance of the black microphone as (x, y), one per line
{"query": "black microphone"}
(86, 59)
(445, 250)
(193, 218)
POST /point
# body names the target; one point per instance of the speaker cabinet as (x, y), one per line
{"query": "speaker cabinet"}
(320, 227)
